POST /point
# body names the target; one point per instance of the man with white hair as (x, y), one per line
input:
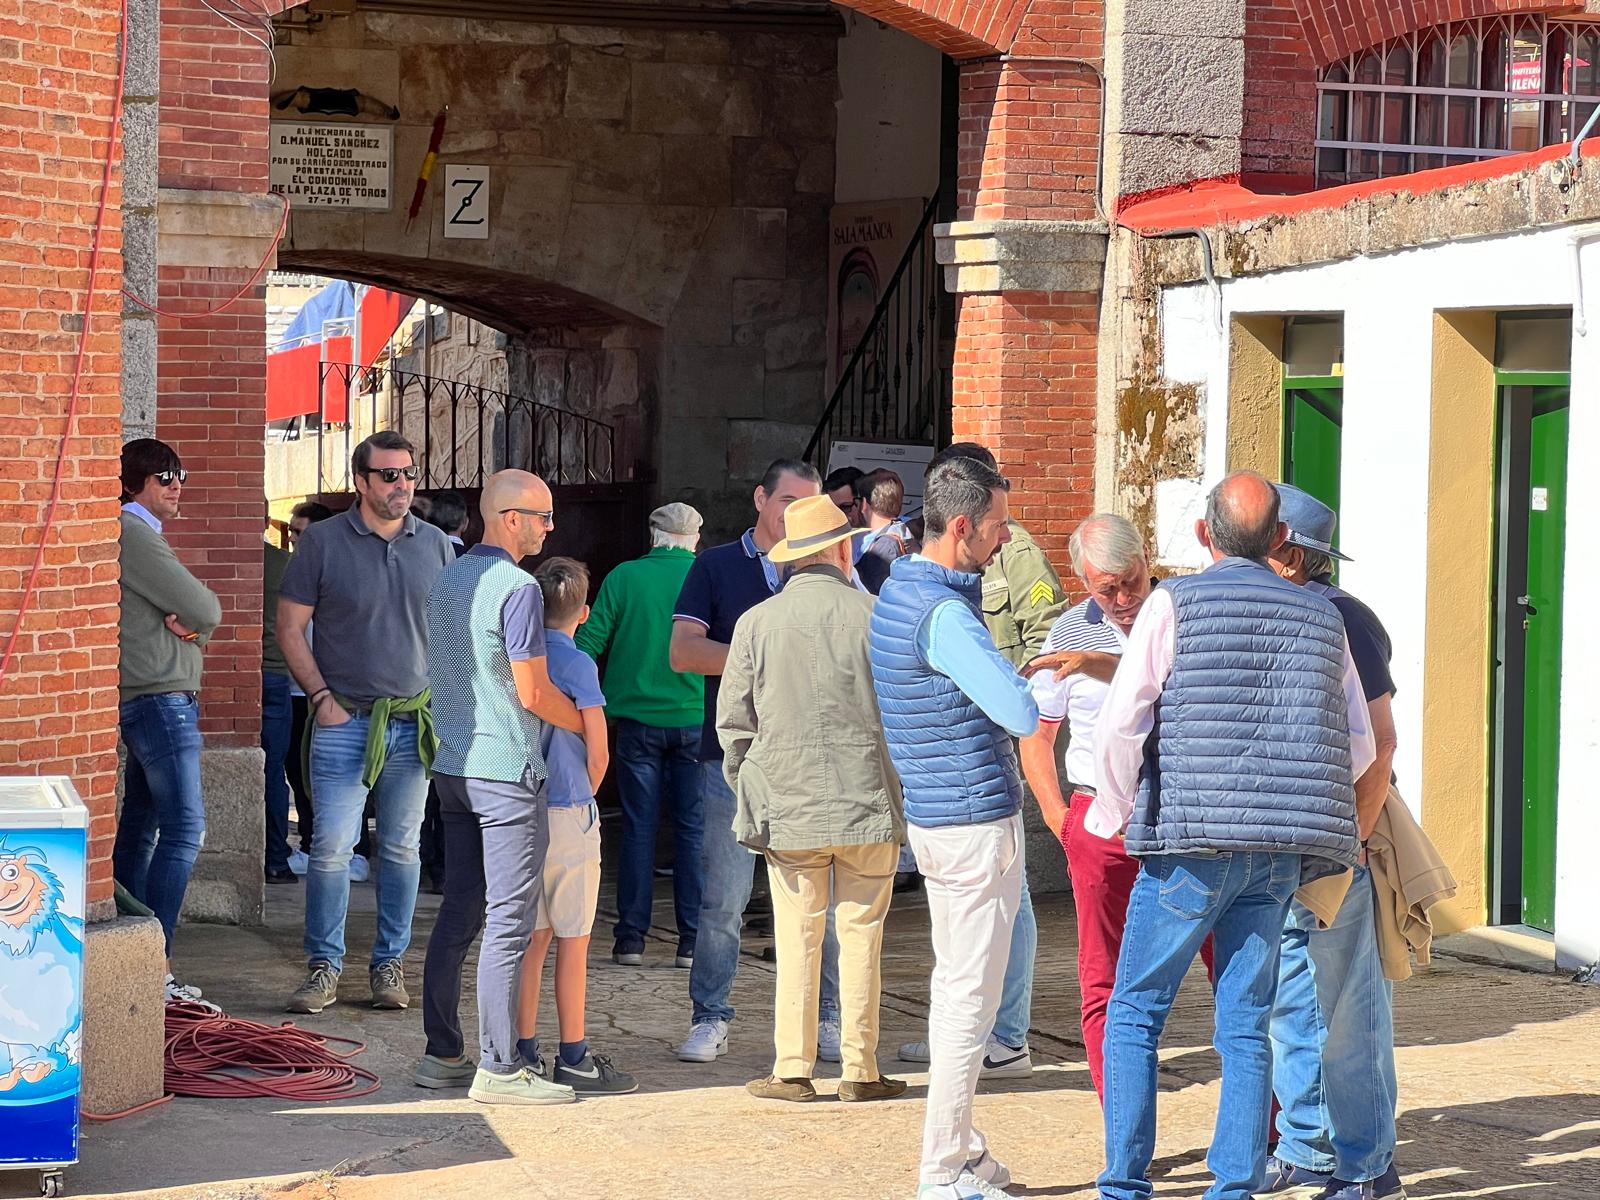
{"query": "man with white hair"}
(1070, 680)
(657, 713)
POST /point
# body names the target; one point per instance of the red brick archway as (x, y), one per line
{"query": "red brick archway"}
(1335, 28)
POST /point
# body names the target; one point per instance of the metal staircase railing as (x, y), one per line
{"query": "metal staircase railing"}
(463, 432)
(892, 388)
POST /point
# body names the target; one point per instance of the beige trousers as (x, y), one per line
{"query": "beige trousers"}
(859, 881)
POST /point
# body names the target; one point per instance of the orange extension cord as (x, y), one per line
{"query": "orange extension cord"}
(212, 1055)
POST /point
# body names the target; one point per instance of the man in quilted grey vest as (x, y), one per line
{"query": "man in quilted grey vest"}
(1227, 751)
(491, 694)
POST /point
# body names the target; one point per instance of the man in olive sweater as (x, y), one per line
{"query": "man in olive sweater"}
(167, 615)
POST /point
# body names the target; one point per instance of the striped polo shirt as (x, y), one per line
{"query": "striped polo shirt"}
(1077, 698)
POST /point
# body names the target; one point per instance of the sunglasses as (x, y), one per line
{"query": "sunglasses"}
(548, 516)
(391, 474)
(166, 478)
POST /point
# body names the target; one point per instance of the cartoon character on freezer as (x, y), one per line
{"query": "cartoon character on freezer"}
(41, 956)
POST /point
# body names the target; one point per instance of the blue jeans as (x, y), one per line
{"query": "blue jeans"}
(401, 791)
(1016, 993)
(1177, 901)
(277, 731)
(1333, 1042)
(654, 765)
(163, 819)
(728, 871)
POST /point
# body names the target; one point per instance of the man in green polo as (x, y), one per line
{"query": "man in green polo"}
(658, 714)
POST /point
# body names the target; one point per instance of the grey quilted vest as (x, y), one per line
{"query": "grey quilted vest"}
(1251, 746)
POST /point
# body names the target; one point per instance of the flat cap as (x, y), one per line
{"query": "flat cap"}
(676, 517)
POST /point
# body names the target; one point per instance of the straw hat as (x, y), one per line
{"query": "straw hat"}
(813, 524)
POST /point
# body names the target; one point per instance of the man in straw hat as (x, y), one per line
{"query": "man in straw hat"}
(805, 756)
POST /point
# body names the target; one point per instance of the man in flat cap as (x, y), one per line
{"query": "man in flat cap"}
(658, 714)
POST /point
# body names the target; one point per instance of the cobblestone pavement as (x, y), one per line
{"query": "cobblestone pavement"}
(1499, 1072)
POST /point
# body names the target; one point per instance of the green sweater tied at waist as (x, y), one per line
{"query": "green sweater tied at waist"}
(377, 752)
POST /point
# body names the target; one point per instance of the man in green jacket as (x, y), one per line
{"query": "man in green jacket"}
(658, 715)
(166, 616)
(1022, 598)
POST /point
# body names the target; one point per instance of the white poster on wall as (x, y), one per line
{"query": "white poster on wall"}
(330, 165)
(466, 202)
(865, 245)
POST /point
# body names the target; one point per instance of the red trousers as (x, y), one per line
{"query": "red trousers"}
(1102, 880)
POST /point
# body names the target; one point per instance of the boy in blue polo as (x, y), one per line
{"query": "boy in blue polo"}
(571, 891)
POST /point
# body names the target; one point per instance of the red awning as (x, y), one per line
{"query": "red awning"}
(379, 315)
(292, 381)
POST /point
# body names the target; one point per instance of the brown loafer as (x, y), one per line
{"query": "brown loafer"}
(872, 1089)
(797, 1091)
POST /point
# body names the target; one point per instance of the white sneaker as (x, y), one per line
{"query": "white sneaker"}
(299, 862)
(707, 1041)
(989, 1169)
(1000, 1061)
(828, 1041)
(180, 993)
(966, 1187)
(359, 868)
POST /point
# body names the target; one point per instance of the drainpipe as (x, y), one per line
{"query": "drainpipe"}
(1576, 240)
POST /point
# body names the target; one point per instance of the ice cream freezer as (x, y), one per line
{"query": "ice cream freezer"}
(43, 855)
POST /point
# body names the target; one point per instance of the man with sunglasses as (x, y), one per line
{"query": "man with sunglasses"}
(166, 616)
(365, 576)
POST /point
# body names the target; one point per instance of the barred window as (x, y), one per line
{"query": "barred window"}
(1456, 93)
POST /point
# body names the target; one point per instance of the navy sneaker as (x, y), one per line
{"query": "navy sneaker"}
(1282, 1176)
(1385, 1187)
(628, 954)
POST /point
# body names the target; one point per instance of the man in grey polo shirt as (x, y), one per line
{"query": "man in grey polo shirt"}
(365, 576)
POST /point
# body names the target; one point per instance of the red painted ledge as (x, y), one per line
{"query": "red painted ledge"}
(1222, 202)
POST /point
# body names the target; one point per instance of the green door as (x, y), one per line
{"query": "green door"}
(1542, 619)
(1313, 433)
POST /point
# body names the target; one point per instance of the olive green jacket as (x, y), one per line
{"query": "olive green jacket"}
(798, 720)
(1022, 597)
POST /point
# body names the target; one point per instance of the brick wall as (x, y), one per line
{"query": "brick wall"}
(1280, 92)
(58, 703)
(213, 102)
(213, 378)
(1029, 138)
(211, 371)
(1025, 387)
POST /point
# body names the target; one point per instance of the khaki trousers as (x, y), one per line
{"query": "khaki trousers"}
(859, 881)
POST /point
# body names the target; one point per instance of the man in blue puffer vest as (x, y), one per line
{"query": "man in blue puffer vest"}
(951, 704)
(1227, 751)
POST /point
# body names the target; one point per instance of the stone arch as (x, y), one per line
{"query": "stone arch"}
(508, 301)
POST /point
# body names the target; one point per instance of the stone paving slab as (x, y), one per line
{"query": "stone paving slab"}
(1499, 1071)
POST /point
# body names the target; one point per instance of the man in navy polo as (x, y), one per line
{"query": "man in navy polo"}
(1333, 1024)
(726, 582)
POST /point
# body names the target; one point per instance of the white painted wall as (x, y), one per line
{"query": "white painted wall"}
(1388, 303)
(888, 137)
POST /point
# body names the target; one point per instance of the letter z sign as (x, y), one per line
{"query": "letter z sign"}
(466, 202)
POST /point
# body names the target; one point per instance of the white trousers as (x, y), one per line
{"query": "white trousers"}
(973, 875)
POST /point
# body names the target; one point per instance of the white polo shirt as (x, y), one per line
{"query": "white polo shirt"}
(1077, 698)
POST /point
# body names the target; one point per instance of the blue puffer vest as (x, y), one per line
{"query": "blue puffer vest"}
(1251, 747)
(957, 766)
